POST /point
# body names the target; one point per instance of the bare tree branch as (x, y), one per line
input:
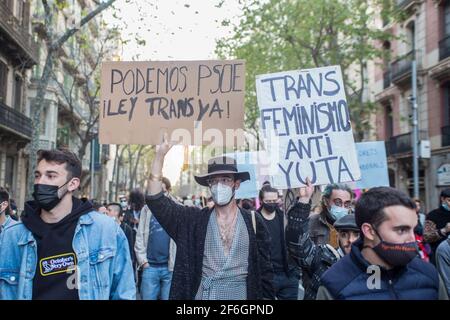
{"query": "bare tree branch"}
(84, 20)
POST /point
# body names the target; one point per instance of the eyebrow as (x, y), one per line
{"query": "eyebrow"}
(402, 227)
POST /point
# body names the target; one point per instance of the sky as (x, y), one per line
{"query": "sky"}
(173, 30)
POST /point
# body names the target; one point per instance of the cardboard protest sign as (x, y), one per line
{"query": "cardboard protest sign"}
(306, 127)
(373, 165)
(195, 102)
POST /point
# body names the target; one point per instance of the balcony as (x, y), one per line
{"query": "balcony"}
(401, 69)
(15, 122)
(402, 143)
(16, 39)
(46, 144)
(444, 48)
(441, 71)
(408, 5)
(445, 131)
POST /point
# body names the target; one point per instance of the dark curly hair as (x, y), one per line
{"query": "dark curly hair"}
(60, 156)
(136, 199)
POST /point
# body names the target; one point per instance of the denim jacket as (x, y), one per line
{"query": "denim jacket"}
(104, 268)
(9, 221)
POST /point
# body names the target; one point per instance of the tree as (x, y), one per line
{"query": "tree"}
(84, 125)
(279, 35)
(135, 158)
(53, 43)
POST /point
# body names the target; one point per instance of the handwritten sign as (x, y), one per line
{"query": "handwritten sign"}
(139, 101)
(306, 127)
(373, 165)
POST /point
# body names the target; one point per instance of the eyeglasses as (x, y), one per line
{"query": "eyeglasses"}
(222, 180)
(340, 203)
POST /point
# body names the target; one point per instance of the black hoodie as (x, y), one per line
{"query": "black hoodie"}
(54, 279)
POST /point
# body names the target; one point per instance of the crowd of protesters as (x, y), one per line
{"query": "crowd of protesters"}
(153, 245)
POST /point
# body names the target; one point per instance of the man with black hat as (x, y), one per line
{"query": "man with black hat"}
(223, 253)
(437, 224)
(314, 259)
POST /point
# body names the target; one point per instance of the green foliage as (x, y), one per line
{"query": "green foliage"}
(279, 35)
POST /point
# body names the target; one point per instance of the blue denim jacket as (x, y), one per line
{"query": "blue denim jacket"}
(9, 221)
(104, 263)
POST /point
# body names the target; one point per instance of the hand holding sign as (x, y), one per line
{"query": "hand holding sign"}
(165, 146)
(305, 193)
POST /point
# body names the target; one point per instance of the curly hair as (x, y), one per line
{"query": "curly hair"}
(136, 199)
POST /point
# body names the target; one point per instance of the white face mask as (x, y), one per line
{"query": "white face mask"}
(221, 194)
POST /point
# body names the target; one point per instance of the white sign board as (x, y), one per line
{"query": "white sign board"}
(305, 123)
(373, 165)
(443, 175)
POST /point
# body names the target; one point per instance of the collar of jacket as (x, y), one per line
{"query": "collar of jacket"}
(86, 219)
(27, 237)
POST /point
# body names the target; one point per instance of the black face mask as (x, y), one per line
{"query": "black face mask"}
(396, 254)
(47, 195)
(270, 207)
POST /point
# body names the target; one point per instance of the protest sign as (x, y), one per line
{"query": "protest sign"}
(305, 123)
(195, 102)
(247, 189)
(373, 165)
(254, 163)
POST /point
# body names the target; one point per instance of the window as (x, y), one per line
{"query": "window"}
(25, 14)
(411, 36)
(19, 10)
(386, 54)
(3, 81)
(447, 19)
(9, 172)
(388, 123)
(18, 85)
(446, 88)
(9, 4)
(43, 121)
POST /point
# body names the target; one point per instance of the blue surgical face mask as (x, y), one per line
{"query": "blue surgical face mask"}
(338, 212)
(445, 206)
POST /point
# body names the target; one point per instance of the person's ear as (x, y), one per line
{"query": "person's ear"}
(368, 231)
(326, 203)
(73, 184)
(237, 184)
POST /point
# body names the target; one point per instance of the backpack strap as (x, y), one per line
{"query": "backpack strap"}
(253, 220)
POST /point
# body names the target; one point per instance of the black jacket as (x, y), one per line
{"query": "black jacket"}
(131, 237)
(289, 265)
(313, 259)
(187, 226)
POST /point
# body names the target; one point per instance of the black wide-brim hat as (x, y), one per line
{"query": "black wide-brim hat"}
(222, 165)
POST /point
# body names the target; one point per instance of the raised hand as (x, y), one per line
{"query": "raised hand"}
(164, 147)
(305, 193)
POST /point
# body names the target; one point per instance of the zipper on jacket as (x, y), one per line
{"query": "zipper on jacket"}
(391, 288)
